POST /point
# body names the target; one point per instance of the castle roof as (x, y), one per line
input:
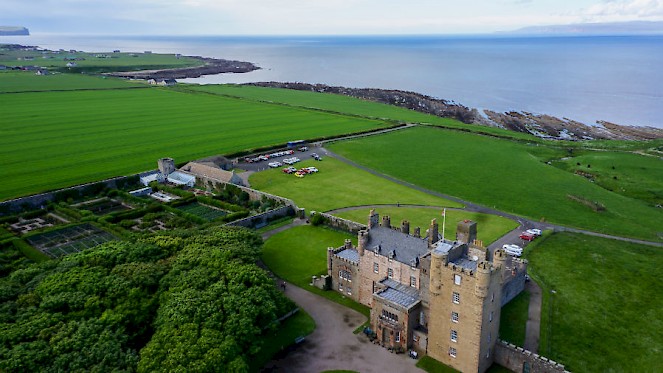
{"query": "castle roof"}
(349, 254)
(459, 256)
(399, 294)
(397, 245)
(205, 170)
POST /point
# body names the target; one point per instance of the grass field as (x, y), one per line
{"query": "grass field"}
(27, 81)
(606, 314)
(513, 319)
(54, 139)
(345, 104)
(489, 227)
(502, 174)
(632, 175)
(339, 185)
(301, 252)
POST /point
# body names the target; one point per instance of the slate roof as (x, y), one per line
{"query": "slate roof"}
(204, 170)
(390, 241)
(398, 293)
(444, 247)
(349, 254)
(181, 178)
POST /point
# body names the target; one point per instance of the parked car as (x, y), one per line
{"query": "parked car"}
(527, 237)
(512, 247)
(534, 231)
(275, 164)
(303, 148)
(511, 251)
(311, 169)
(300, 174)
(289, 170)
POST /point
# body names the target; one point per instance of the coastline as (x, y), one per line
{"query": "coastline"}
(211, 66)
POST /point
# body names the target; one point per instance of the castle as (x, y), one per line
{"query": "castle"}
(436, 296)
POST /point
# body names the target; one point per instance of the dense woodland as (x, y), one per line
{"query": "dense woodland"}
(171, 301)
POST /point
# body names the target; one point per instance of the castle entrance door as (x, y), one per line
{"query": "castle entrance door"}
(385, 336)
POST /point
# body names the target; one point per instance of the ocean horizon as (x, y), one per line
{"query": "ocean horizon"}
(585, 78)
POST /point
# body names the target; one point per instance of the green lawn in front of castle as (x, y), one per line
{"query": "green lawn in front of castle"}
(489, 227)
(299, 253)
(513, 319)
(505, 175)
(338, 185)
(602, 306)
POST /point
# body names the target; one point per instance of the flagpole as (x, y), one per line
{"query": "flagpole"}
(444, 222)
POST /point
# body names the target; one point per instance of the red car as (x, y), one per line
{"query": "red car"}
(526, 236)
(289, 170)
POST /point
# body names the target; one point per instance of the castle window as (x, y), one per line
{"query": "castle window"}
(490, 337)
(345, 275)
(413, 281)
(457, 279)
(376, 268)
(398, 336)
(490, 317)
(340, 287)
(492, 298)
(349, 291)
(454, 316)
(452, 352)
(454, 336)
(389, 316)
(390, 273)
(456, 297)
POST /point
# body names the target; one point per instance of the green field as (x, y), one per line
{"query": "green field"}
(203, 211)
(505, 175)
(513, 319)
(27, 81)
(606, 314)
(50, 140)
(489, 227)
(339, 185)
(349, 105)
(301, 252)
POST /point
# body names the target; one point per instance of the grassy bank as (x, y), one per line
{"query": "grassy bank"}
(600, 307)
(505, 175)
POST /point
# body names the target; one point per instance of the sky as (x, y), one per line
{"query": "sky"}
(314, 17)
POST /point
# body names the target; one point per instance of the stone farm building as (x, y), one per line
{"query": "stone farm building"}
(436, 296)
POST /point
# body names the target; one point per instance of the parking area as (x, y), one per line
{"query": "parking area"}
(261, 161)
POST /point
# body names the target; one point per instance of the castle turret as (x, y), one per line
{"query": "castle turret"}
(466, 231)
(433, 232)
(386, 221)
(405, 227)
(166, 166)
(348, 243)
(499, 261)
(373, 219)
(362, 241)
(437, 261)
(417, 232)
(483, 279)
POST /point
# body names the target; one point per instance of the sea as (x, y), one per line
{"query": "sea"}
(585, 78)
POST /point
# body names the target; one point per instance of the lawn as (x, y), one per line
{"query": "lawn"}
(50, 140)
(633, 175)
(349, 105)
(339, 185)
(502, 174)
(489, 227)
(203, 211)
(299, 253)
(513, 319)
(605, 314)
(27, 81)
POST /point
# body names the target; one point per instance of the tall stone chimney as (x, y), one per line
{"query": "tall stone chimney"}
(432, 232)
(405, 227)
(386, 222)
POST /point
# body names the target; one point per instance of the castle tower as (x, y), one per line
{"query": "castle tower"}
(433, 232)
(466, 231)
(405, 227)
(464, 313)
(330, 253)
(386, 222)
(373, 219)
(362, 241)
(166, 166)
(499, 261)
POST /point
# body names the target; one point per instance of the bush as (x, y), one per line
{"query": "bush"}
(318, 219)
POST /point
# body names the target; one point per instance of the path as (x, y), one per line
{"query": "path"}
(333, 346)
(533, 328)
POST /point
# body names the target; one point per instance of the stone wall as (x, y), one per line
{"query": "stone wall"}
(263, 219)
(38, 200)
(339, 223)
(519, 360)
(515, 283)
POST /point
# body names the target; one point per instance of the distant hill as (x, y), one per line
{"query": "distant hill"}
(13, 30)
(608, 28)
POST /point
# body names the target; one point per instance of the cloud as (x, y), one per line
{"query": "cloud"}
(625, 10)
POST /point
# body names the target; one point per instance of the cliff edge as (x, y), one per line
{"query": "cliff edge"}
(13, 30)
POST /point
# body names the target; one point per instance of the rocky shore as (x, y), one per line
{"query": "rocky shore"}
(544, 126)
(210, 66)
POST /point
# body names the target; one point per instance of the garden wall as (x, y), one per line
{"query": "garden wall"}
(257, 221)
(340, 223)
(519, 360)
